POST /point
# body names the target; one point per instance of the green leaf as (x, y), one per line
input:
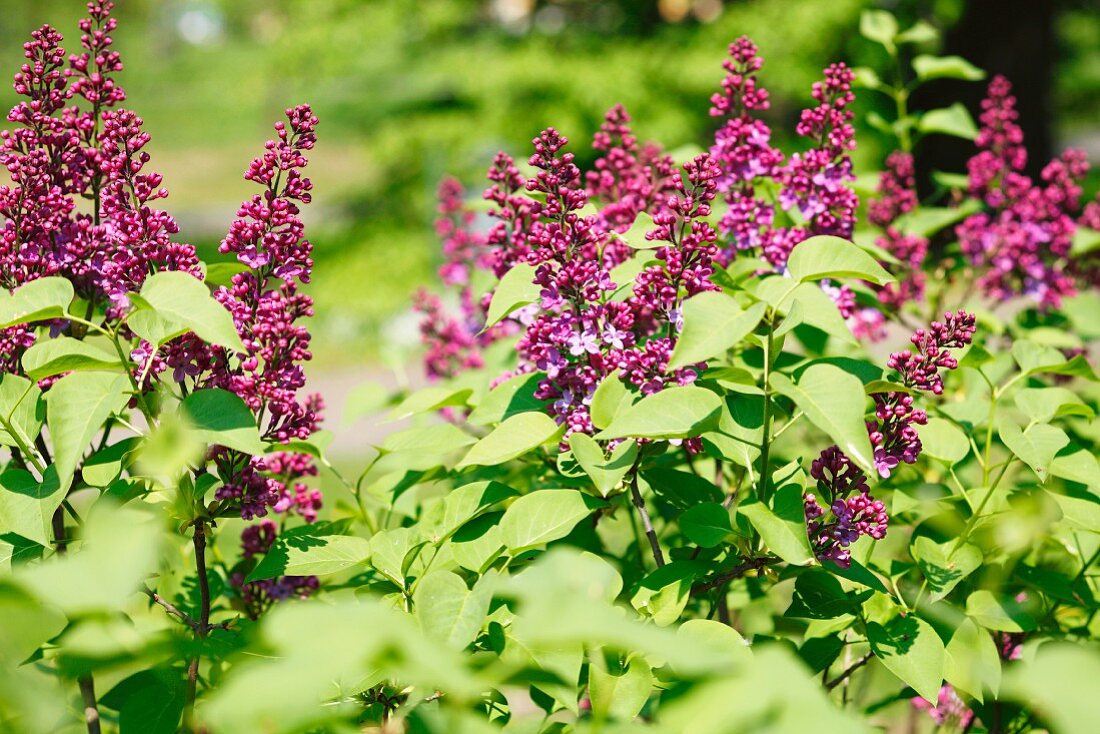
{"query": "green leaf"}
(1001, 614)
(120, 548)
(1043, 404)
(27, 625)
(825, 256)
(432, 442)
(515, 290)
(706, 525)
(429, 399)
(919, 32)
(514, 395)
(153, 709)
(1084, 241)
(104, 466)
(544, 516)
(618, 693)
(311, 550)
(221, 274)
(76, 407)
(635, 236)
(713, 323)
(1061, 683)
(1081, 513)
(450, 612)
(783, 529)
(219, 417)
(942, 565)
(943, 440)
(714, 635)
(50, 357)
(606, 473)
(973, 664)
(832, 400)
(911, 650)
(468, 501)
(45, 298)
(954, 120)
(1077, 465)
(950, 180)
(185, 303)
(478, 543)
(676, 412)
(1034, 358)
(392, 551)
(1036, 446)
(879, 26)
(22, 407)
(818, 310)
(946, 67)
(926, 221)
(610, 397)
(27, 505)
(663, 594)
(512, 438)
(819, 595)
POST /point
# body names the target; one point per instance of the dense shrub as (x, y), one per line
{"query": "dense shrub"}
(677, 469)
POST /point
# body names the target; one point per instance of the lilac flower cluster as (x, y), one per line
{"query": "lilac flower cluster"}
(257, 596)
(892, 434)
(896, 196)
(581, 335)
(1021, 243)
(628, 179)
(948, 710)
(576, 333)
(266, 305)
(813, 183)
(72, 141)
(61, 152)
(852, 510)
(453, 342)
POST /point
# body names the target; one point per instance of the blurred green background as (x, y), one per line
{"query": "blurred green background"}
(410, 90)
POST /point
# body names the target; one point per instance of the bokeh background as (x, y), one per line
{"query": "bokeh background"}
(411, 90)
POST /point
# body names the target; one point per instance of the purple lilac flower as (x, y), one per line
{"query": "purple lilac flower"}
(627, 179)
(897, 195)
(814, 181)
(580, 336)
(742, 148)
(257, 596)
(948, 710)
(1021, 244)
(58, 154)
(852, 511)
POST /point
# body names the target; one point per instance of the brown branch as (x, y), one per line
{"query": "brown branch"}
(203, 628)
(647, 524)
(173, 610)
(848, 671)
(751, 564)
(91, 711)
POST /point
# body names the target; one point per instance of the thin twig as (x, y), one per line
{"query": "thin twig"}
(203, 623)
(91, 710)
(85, 682)
(173, 610)
(647, 524)
(751, 564)
(848, 671)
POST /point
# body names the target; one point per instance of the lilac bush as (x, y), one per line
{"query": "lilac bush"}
(609, 510)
